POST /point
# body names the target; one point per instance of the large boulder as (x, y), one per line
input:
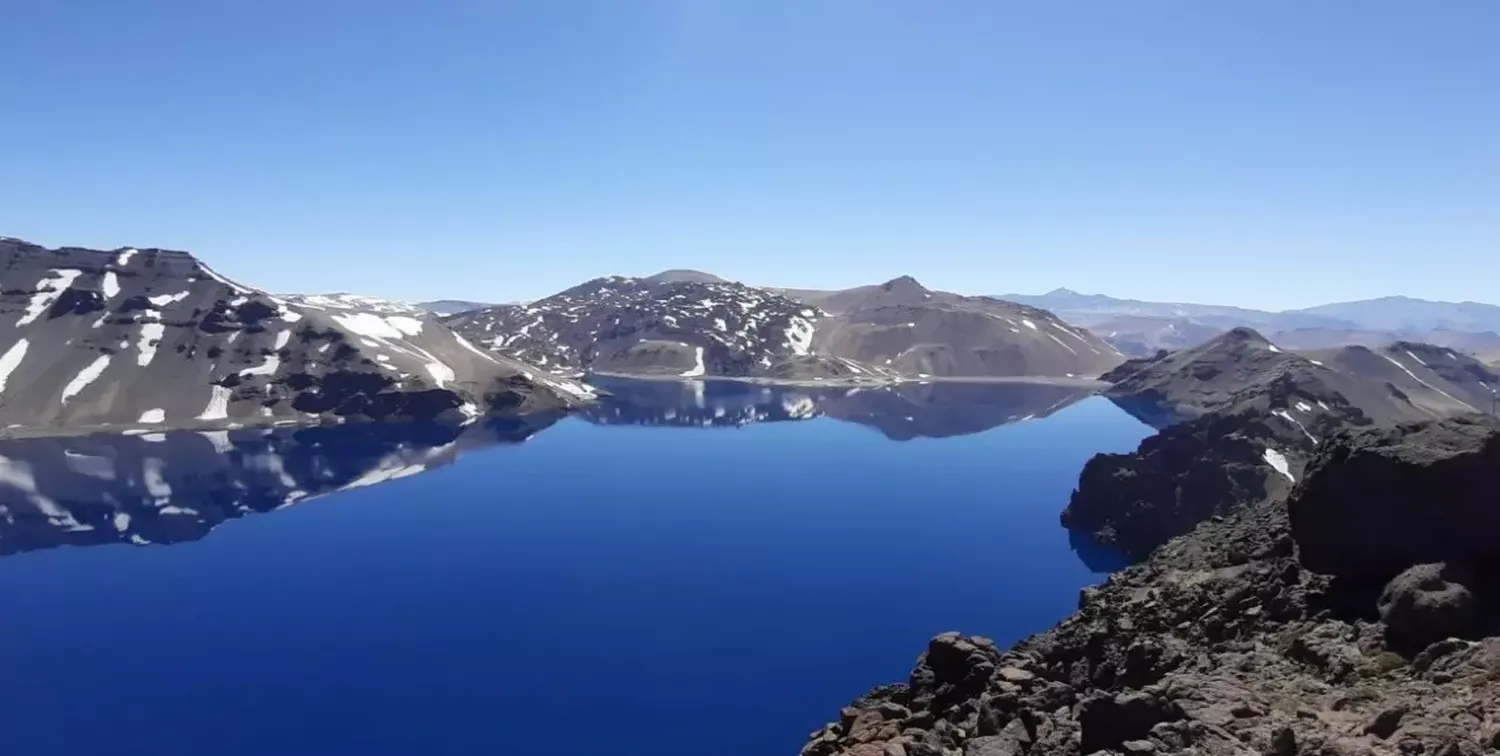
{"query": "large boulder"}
(1379, 501)
(1428, 603)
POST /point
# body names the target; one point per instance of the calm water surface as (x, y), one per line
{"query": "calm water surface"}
(687, 570)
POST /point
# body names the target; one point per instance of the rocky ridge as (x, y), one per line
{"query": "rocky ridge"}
(692, 324)
(1229, 641)
(677, 325)
(136, 338)
(1240, 417)
(913, 330)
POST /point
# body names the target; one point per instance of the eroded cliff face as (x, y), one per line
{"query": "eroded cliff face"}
(1233, 640)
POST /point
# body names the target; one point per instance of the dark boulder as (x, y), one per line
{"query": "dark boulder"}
(1382, 500)
(1428, 603)
(1109, 721)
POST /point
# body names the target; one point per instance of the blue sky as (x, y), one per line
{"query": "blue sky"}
(1273, 153)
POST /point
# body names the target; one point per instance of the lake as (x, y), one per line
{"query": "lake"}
(688, 569)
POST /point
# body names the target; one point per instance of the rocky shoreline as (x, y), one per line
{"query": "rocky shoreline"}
(1356, 614)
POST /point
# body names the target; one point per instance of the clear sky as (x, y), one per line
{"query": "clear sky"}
(1271, 153)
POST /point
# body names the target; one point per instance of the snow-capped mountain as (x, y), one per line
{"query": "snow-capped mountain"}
(150, 337)
(643, 326)
(178, 485)
(688, 326)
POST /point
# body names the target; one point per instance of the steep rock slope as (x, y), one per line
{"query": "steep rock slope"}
(906, 327)
(1240, 417)
(1227, 642)
(155, 337)
(640, 326)
(179, 485)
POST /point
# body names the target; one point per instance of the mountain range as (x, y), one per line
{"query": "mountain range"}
(132, 339)
(691, 324)
(1140, 327)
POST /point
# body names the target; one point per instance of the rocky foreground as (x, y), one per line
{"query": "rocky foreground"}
(1357, 616)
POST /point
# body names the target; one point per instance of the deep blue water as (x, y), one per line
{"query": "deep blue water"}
(622, 589)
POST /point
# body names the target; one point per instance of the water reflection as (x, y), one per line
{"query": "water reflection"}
(901, 412)
(177, 486)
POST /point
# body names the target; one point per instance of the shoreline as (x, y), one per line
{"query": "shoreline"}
(860, 382)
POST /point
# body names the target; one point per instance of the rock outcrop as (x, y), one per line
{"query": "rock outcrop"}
(1223, 642)
(1239, 418)
(136, 338)
(1383, 500)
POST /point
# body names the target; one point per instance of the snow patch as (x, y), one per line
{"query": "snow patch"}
(58, 282)
(11, 360)
(162, 300)
(1028, 324)
(85, 377)
(1278, 461)
(698, 367)
(111, 285)
(153, 416)
(124, 257)
(282, 339)
(151, 336)
(218, 404)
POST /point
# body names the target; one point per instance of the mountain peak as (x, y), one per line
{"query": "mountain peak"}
(903, 283)
(1062, 291)
(684, 275)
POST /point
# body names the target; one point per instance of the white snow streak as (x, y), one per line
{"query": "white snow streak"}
(268, 367)
(218, 405)
(1414, 377)
(1287, 416)
(1278, 460)
(1062, 344)
(1028, 324)
(698, 368)
(111, 285)
(153, 416)
(85, 377)
(282, 339)
(59, 282)
(124, 258)
(162, 300)
(11, 360)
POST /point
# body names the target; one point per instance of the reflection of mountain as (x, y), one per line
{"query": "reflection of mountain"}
(901, 412)
(170, 487)
(706, 404)
(938, 410)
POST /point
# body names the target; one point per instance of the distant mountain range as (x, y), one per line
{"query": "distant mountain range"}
(1140, 327)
